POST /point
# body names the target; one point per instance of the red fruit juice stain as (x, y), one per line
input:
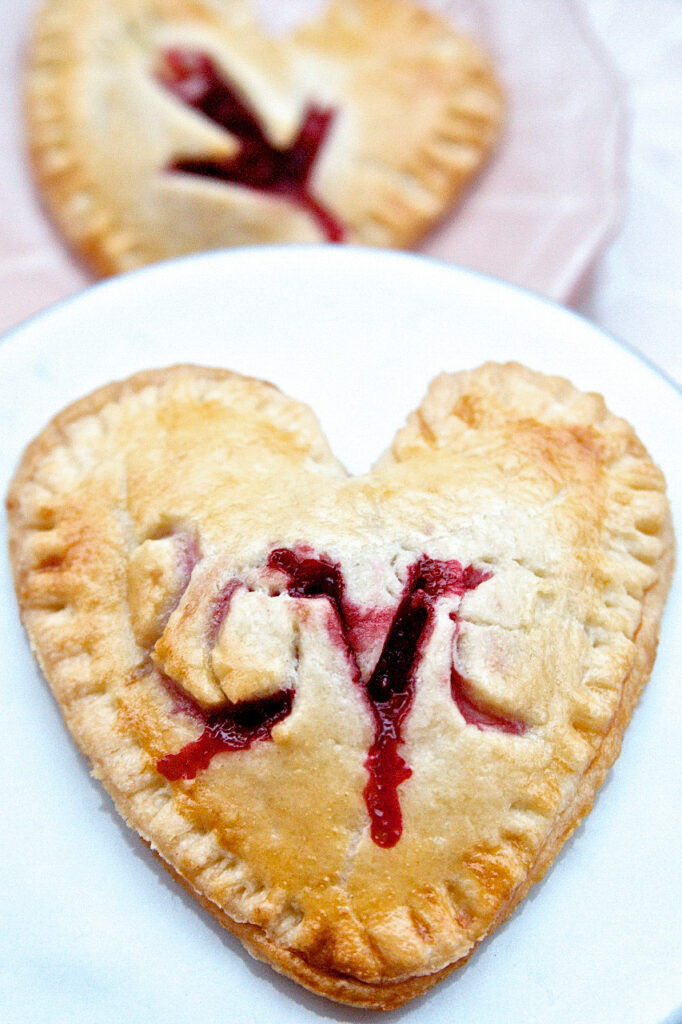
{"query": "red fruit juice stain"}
(219, 610)
(389, 690)
(474, 713)
(195, 80)
(189, 553)
(230, 727)
(233, 727)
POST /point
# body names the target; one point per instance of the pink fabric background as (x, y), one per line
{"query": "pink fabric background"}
(538, 215)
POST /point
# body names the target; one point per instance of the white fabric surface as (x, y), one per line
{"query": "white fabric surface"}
(636, 289)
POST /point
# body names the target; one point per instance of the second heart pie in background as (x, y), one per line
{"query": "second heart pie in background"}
(163, 127)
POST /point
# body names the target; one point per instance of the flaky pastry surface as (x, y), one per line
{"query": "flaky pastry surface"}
(416, 108)
(137, 508)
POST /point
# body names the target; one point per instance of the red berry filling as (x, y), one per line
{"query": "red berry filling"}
(389, 690)
(234, 727)
(221, 607)
(195, 80)
(231, 727)
(474, 714)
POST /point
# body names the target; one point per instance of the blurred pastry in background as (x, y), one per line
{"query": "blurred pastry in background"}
(163, 127)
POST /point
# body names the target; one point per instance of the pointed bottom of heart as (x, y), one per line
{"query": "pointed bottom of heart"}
(392, 994)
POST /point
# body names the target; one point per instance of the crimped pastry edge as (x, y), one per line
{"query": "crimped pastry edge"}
(390, 996)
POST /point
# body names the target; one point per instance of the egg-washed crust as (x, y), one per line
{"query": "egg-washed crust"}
(418, 110)
(596, 570)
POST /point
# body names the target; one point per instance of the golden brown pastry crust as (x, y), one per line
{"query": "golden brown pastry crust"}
(418, 109)
(500, 467)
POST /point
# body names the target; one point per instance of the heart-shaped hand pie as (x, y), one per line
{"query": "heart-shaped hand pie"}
(357, 717)
(163, 127)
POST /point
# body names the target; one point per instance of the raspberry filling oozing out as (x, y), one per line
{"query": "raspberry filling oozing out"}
(389, 690)
(195, 80)
(234, 727)
(231, 727)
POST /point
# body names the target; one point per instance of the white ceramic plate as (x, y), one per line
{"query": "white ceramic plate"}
(93, 928)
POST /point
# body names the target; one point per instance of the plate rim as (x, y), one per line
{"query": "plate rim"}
(14, 335)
